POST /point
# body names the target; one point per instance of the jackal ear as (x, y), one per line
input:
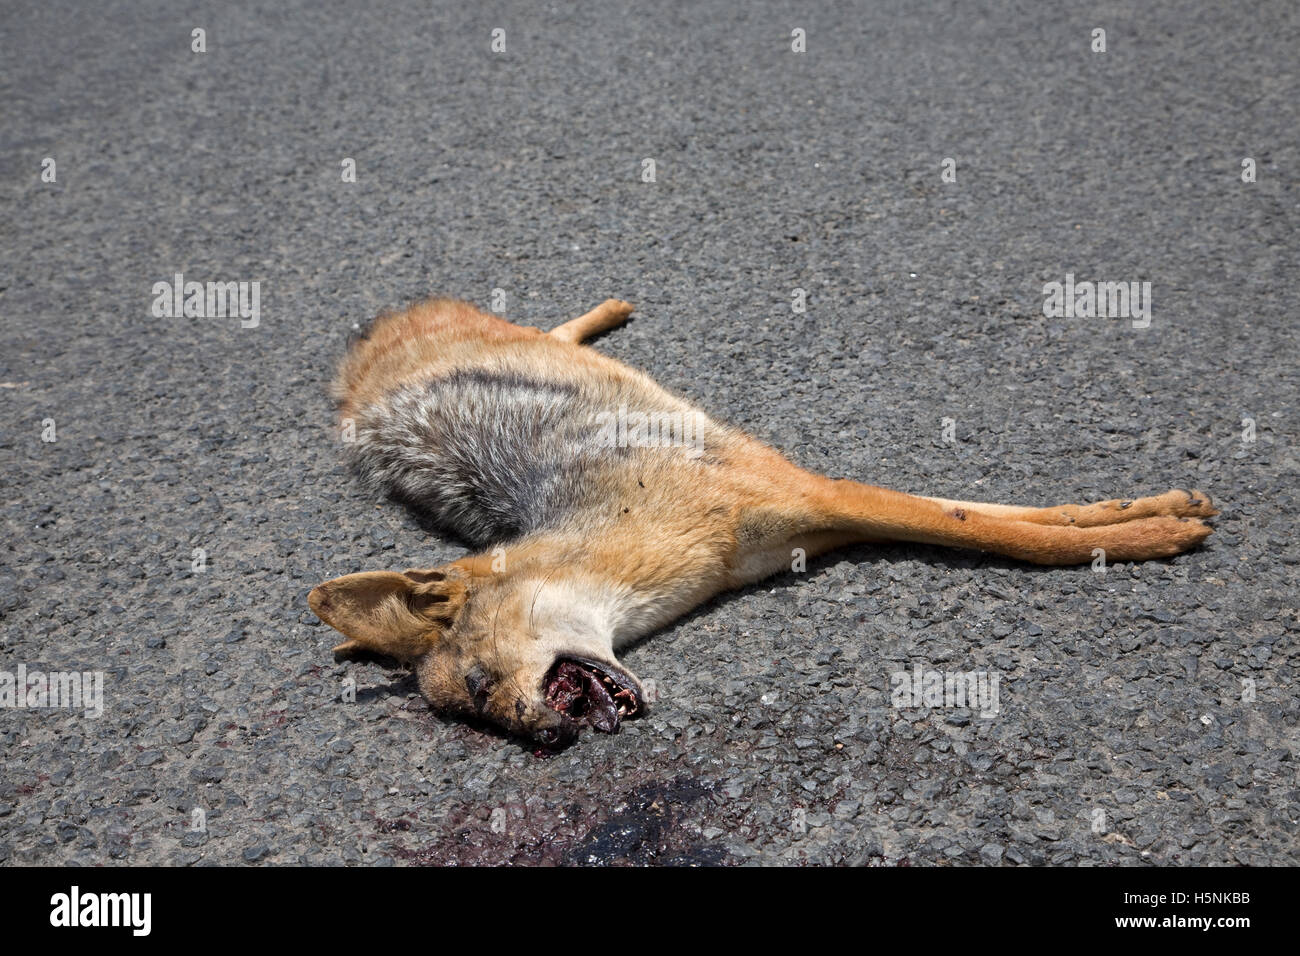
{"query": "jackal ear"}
(399, 615)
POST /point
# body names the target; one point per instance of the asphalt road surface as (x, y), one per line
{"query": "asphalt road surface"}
(172, 484)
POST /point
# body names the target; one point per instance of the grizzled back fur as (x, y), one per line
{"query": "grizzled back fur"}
(487, 455)
(490, 437)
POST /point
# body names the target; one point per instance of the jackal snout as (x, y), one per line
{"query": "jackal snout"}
(492, 647)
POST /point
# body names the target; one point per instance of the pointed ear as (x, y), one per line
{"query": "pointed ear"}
(399, 615)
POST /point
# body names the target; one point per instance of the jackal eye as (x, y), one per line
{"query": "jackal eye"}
(479, 686)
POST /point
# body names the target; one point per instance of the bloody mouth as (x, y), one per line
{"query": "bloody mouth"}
(589, 695)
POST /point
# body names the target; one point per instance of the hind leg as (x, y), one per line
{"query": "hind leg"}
(607, 315)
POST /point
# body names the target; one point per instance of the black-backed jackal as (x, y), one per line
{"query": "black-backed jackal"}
(602, 507)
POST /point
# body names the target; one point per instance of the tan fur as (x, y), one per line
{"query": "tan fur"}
(674, 534)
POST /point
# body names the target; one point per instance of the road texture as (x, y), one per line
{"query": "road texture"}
(173, 484)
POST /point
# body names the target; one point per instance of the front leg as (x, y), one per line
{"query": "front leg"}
(880, 512)
(787, 504)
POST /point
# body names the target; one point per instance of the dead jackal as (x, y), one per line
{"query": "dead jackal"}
(604, 507)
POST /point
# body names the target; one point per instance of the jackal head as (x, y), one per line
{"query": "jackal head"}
(521, 650)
